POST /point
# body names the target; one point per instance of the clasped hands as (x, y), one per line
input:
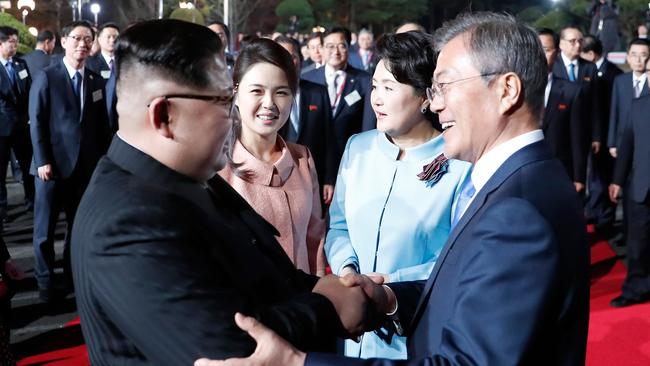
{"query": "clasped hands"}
(361, 303)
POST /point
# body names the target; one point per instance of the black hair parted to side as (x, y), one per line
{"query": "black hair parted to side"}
(344, 31)
(45, 35)
(591, 43)
(411, 59)
(107, 25)
(180, 50)
(263, 50)
(79, 23)
(6, 32)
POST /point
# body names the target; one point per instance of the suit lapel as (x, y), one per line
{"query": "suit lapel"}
(5, 80)
(303, 109)
(66, 83)
(350, 83)
(528, 154)
(554, 98)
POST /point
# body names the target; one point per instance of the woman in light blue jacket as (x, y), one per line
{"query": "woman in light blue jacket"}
(391, 212)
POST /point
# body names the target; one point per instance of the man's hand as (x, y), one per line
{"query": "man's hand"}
(612, 152)
(328, 193)
(384, 301)
(579, 186)
(385, 277)
(614, 192)
(595, 147)
(271, 348)
(350, 303)
(45, 172)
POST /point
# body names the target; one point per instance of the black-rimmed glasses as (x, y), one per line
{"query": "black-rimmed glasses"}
(222, 100)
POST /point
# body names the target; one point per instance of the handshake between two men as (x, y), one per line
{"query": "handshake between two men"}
(360, 301)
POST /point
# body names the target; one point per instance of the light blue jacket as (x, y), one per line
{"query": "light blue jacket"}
(384, 219)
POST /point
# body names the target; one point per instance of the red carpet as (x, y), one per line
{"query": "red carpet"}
(616, 336)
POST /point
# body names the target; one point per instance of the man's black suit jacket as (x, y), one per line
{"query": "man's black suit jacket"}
(161, 264)
(605, 76)
(61, 134)
(634, 152)
(315, 127)
(36, 61)
(98, 64)
(565, 129)
(348, 118)
(587, 79)
(14, 98)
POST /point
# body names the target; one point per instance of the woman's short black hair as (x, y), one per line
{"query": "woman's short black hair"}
(262, 50)
(411, 59)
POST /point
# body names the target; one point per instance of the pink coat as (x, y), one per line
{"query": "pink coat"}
(287, 195)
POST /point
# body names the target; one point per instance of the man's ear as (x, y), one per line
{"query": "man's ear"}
(510, 92)
(159, 116)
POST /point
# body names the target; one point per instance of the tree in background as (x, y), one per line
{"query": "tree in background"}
(26, 41)
(299, 8)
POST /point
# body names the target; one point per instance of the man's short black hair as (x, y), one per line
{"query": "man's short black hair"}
(549, 32)
(78, 23)
(107, 25)
(592, 44)
(292, 41)
(45, 35)
(344, 31)
(223, 25)
(6, 32)
(638, 41)
(181, 50)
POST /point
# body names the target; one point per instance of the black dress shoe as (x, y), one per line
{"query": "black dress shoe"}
(621, 302)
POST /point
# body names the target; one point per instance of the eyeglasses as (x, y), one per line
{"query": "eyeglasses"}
(221, 100)
(85, 39)
(439, 88)
(573, 41)
(341, 46)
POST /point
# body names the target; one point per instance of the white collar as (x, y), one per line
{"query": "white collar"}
(72, 70)
(566, 60)
(107, 57)
(640, 78)
(492, 160)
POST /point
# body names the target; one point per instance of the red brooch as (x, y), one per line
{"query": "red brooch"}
(432, 172)
(562, 106)
(313, 107)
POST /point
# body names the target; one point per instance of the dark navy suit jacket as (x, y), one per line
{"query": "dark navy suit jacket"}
(511, 285)
(61, 135)
(315, 128)
(607, 72)
(634, 151)
(37, 60)
(622, 96)
(13, 102)
(565, 128)
(356, 62)
(587, 79)
(348, 119)
(98, 64)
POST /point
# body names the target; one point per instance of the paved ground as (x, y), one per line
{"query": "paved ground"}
(30, 318)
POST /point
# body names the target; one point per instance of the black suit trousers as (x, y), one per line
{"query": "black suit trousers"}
(21, 143)
(51, 197)
(637, 282)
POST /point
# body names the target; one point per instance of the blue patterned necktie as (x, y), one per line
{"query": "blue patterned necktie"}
(10, 71)
(76, 84)
(464, 198)
(572, 72)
